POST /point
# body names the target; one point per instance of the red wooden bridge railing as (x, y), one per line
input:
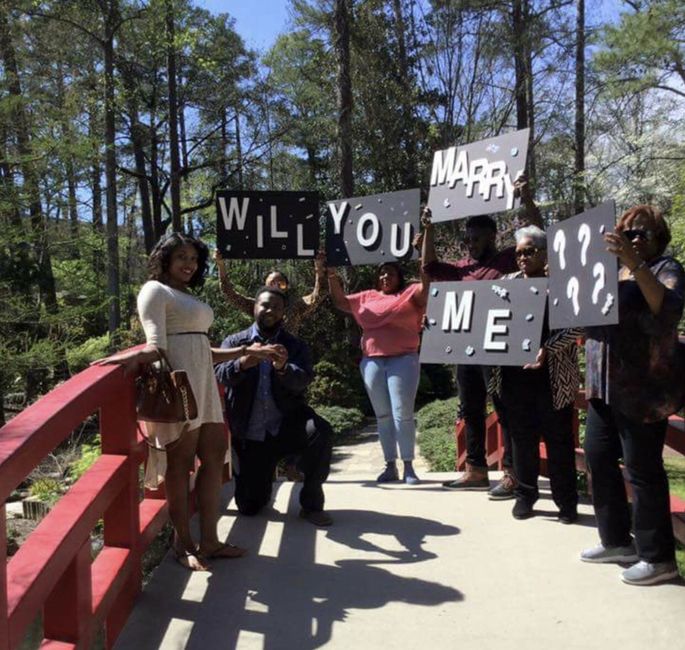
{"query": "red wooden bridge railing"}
(675, 439)
(53, 573)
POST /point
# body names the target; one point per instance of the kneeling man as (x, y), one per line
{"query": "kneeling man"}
(268, 415)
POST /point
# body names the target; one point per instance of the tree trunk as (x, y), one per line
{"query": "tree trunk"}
(579, 167)
(519, 36)
(175, 184)
(19, 118)
(238, 149)
(410, 172)
(114, 315)
(341, 38)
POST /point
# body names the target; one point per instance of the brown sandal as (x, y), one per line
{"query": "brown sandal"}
(191, 560)
(225, 552)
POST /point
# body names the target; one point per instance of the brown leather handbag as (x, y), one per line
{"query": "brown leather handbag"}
(164, 394)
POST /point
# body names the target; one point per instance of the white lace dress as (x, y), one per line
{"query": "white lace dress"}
(167, 315)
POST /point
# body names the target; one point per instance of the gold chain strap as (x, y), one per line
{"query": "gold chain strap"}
(184, 399)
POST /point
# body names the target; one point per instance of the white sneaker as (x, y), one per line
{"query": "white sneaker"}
(648, 573)
(609, 554)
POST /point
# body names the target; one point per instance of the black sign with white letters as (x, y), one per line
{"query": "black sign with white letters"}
(485, 322)
(583, 275)
(372, 229)
(267, 225)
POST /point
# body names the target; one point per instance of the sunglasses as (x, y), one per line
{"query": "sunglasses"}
(642, 235)
(527, 252)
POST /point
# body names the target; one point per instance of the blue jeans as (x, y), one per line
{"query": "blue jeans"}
(391, 383)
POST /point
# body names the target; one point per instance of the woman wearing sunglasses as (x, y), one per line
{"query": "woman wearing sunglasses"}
(634, 382)
(538, 400)
(297, 310)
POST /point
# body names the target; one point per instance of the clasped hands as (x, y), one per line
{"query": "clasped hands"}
(256, 352)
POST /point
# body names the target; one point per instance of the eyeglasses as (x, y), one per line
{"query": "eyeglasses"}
(642, 235)
(527, 252)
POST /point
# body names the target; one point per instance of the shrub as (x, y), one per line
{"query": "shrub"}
(343, 420)
(90, 452)
(435, 423)
(47, 490)
(80, 356)
(338, 385)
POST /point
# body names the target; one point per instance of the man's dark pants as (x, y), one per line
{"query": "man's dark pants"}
(473, 394)
(303, 433)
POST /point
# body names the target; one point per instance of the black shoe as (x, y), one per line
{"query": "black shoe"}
(522, 509)
(568, 515)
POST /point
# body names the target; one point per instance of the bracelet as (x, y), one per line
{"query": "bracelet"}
(641, 265)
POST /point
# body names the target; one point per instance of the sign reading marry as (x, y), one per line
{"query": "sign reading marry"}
(487, 322)
(267, 225)
(372, 229)
(477, 178)
(583, 275)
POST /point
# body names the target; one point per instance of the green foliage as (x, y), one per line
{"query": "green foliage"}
(343, 420)
(80, 356)
(337, 384)
(89, 453)
(435, 424)
(48, 490)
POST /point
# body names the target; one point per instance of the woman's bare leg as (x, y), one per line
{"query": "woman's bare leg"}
(180, 461)
(211, 450)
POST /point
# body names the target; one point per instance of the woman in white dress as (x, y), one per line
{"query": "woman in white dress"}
(176, 322)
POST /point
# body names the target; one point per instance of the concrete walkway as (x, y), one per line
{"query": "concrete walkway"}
(404, 567)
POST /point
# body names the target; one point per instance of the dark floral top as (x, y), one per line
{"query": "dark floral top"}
(637, 366)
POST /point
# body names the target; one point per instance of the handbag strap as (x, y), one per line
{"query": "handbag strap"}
(163, 358)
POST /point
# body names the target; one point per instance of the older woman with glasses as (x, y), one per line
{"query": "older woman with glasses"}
(634, 381)
(538, 399)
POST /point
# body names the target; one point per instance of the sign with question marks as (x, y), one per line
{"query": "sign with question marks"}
(477, 178)
(583, 275)
(373, 229)
(267, 225)
(484, 322)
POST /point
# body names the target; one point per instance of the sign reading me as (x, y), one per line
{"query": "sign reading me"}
(486, 322)
(372, 229)
(477, 178)
(267, 225)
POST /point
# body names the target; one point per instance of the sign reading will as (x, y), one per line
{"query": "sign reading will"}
(477, 178)
(372, 229)
(583, 275)
(486, 322)
(267, 225)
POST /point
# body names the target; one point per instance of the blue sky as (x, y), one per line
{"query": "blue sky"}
(257, 21)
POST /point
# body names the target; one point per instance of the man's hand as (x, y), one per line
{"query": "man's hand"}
(426, 218)
(279, 357)
(522, 188)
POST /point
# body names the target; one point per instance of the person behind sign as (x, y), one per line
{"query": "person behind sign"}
(483, 262)
(268, 414)
(539, 400)
(175, 321)
(298, 309)
(390, 317)
(634, 381)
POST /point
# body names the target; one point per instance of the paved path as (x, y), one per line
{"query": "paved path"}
(404, 567)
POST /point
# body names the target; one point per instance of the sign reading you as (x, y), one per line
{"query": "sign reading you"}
(267, 225)
(583, 275)
(372, 229)
(488, 322)
(477, 178)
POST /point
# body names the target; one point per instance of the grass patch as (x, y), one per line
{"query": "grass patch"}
(675, 468)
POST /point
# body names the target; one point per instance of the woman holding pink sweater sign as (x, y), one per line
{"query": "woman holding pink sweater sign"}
(390, 318)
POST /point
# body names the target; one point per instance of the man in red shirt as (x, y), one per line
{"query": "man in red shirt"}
(483, 262)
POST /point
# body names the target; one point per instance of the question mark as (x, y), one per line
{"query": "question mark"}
(559, 246)
(598, 274)
(584, 236)
(572, 289)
